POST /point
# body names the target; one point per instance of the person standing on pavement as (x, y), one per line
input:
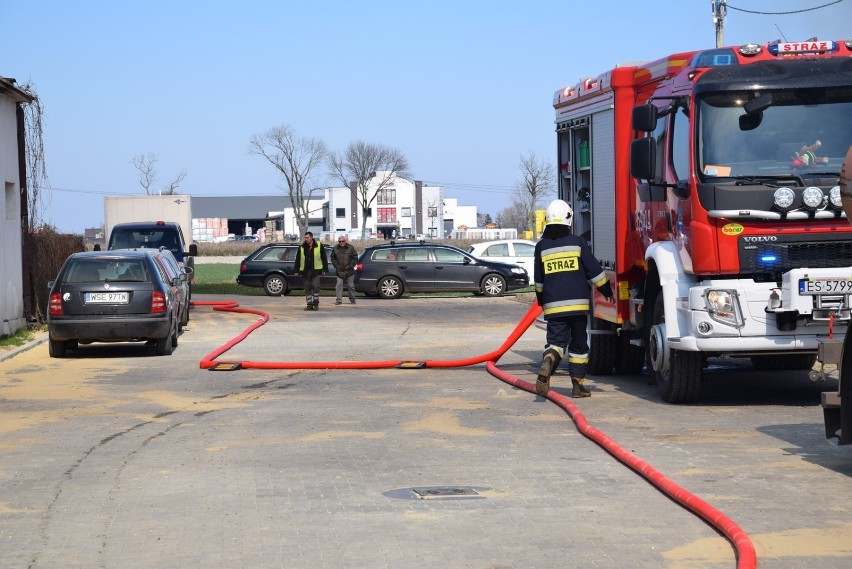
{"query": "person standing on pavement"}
(344, 257)
(563, 268)
(311, 264)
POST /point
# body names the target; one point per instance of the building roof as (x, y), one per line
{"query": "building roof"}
(8, 88)
(237, 207)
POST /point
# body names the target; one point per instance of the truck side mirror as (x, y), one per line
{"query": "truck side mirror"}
(643, 158)
(644, 118)
(193, 250)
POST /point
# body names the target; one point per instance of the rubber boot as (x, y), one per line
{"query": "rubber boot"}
(549, 361)
(578, 389)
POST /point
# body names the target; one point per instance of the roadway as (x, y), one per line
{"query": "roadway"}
(115, 457)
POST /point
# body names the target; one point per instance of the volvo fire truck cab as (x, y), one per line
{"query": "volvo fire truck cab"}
(707, 183)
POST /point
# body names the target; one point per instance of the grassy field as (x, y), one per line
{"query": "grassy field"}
(220, 278)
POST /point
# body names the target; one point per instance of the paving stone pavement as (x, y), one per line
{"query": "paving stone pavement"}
(117, 458)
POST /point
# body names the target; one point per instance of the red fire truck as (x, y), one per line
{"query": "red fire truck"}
(707, 183)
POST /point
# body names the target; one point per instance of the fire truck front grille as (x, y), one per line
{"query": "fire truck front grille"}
(780, 253)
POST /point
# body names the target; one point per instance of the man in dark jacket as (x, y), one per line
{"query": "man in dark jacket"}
(563, 268)
(344, 257)
(311, 264)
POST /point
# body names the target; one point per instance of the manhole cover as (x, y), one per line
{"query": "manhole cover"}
(438, 493)
(444, 492)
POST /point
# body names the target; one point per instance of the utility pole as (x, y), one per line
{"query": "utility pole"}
(720, 10)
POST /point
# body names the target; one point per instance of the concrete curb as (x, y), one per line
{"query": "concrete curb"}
(28, 346)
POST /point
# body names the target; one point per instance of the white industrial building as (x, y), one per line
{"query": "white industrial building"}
(13, 220)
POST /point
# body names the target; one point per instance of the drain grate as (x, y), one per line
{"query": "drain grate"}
(437, 492)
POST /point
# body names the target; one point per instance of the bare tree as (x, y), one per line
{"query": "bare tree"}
(296, 159)
(147, 168)
(516, 215)
(146, 165)
(537, 183)
(363, 163)
(171, 187)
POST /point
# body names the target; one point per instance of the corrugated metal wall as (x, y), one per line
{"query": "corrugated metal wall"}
(603, 186)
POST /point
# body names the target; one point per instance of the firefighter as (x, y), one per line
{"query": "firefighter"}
(564, 267)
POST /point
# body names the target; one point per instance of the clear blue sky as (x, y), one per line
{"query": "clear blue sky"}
(462, 88)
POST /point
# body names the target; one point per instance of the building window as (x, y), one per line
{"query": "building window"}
(406, 212)
(387, 196)
(340, 212)
(387, 215)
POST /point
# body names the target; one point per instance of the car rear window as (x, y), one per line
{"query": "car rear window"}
(498, 250)
(97, 270)
(386, 255)
(277, 254)
(417, 254)
(152, 239)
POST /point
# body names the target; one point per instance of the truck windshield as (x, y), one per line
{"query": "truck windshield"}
(802, 132)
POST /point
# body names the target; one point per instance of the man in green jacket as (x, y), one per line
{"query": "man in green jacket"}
(344, 257)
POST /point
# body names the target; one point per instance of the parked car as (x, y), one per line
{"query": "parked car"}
(115, 296)
(174, 269)
(246, 238)
(389, 270)
(273, 267)
(515, 251)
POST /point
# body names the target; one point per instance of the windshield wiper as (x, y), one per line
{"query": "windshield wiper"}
(771, 181)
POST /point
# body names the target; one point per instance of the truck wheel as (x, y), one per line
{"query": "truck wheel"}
(275, 285)
(786, 361)
(601, 347)
(677, 373)
(629, 359)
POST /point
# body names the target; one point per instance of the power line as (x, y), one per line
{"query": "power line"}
(784, 13)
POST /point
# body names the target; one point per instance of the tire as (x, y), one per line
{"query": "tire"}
(786, 361)
(389, 287)
(56, 348)
(601, 347)
(184, 318)
(275, 285)
(493, 285)
(679, 383)
(164, 345)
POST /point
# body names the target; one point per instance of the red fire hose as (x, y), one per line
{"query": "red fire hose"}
(746, 555)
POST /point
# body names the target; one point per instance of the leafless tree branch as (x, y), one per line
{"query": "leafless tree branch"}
(297, 159)
(362, 163)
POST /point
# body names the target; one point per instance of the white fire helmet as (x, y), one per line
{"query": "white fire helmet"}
(558, 213)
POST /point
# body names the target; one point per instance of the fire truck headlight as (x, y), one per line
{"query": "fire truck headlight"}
(784, 198)
(813, 197)
(723, 306)
(834, 197)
